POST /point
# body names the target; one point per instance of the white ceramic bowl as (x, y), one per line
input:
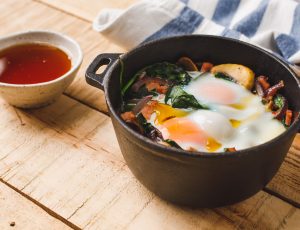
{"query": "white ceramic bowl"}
(41, 94)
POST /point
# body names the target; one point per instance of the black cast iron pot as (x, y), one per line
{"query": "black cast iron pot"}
(196, 179)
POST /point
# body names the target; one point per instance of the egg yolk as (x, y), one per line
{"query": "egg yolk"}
(212, 145)
(218, 93)
(165, 112)
(235, 123)
(184, 130)
(244, 103)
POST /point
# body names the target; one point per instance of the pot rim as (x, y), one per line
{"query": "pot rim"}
(168, 150)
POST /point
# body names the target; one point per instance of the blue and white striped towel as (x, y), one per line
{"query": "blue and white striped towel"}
(271, 24)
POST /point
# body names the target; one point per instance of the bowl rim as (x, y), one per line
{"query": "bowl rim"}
(172, 152)
(50, 32)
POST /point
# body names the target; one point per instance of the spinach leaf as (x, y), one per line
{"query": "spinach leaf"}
(130, 82)
(169, 71)
(172, 143)
(281, 105)
(127, 106)
(279, 101)
(148, 129)
(181, 99)
(224, 77)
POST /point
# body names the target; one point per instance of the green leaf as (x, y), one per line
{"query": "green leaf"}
(129, 83)
(149, 130)
(168, 71)
(224, 77)
(279, 101)
(172, 143)
(128, 107)
(181, 99)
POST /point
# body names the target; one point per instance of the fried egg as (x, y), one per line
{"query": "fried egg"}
(215, 91)
(236, 118)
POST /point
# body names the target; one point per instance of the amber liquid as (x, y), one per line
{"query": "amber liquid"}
(32, 63)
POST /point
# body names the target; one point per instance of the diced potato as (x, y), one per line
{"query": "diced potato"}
(242, 74)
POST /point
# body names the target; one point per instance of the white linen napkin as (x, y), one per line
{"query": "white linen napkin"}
(271, 24)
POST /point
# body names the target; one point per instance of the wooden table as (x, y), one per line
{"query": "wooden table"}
(61, 167)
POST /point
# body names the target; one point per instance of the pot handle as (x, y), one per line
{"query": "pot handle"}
(92, 77)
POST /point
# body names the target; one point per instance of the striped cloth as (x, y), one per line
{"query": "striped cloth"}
(271, 24)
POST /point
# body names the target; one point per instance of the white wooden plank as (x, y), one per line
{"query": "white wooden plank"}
(17, 212)
(87, 9)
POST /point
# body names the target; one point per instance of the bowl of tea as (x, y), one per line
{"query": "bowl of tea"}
(36, 67)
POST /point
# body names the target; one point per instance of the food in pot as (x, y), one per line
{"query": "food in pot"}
(201, 107)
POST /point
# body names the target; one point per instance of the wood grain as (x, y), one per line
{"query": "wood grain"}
(92, 187)
(287, 181)
(254, 213)
(66, 156)
(36, 15)
(17, 212)
(87, 9)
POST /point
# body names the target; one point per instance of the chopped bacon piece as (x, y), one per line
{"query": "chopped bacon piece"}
(149, 109)
(128, 116)
(206, 67)
(263, 82)
(162, 89)
(191, 149)
(273, 90)
(150, 82)
(230, 149)
(288, 117)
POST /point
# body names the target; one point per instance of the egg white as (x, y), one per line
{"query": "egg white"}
(214, 124)
(195, 88)
(256, 124)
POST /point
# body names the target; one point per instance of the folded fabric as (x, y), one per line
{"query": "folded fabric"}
(271, 24)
